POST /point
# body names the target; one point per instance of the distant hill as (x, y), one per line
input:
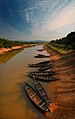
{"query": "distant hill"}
(67, 42)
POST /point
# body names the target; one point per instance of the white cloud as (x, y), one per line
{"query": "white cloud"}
(65, 17)
(46, 18)
(64, 21)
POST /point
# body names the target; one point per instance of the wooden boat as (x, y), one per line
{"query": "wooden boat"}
(36, 98)
(41, 50)
(39, 65)
(44, 73)
(45, 62)
(41, 90)
(41, 56)
(44, 78)
(45, 67)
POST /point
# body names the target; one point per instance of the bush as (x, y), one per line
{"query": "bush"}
(65, 42)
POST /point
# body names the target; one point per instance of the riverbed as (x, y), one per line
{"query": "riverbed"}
(14, 103)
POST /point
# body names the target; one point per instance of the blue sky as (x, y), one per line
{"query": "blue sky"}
(36, 19)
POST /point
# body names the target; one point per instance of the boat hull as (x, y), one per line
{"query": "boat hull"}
(37, 101)
(41, 91)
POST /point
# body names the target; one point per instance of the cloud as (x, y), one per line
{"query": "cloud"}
(40, 19)
(39, 10)
(62, 19)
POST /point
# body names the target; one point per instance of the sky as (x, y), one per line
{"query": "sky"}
(36, 19)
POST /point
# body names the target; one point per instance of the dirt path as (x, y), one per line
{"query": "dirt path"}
(62, 92)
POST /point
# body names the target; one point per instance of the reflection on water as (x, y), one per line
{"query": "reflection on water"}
(14, 103)
(5, 57)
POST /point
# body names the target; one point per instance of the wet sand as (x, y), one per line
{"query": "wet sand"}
(62, 92)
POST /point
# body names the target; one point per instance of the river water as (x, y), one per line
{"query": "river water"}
(14, 103)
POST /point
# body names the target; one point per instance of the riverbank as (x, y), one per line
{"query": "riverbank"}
(59, 50)
(62, 92)
(5, 50)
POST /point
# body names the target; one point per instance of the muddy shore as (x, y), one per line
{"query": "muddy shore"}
(62, 92)
(4, 50)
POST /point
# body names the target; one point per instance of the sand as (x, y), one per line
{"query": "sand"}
(62, 92)
(4, 50)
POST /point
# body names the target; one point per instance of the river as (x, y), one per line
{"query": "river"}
(14, 103)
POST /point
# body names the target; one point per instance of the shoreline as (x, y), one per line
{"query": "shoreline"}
(62, 92)
(60, 50)
(5, 50)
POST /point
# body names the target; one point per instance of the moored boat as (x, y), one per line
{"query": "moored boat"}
(44, 78)
(45, 62)
(40, 50)
(36, 98)
(39, 65)
(42, 56)
(45, 67)
(43, 73)
(41, 91)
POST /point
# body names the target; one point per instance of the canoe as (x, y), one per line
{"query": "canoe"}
(41, 56)
(41, 50)
(36, 98)
(44, 78)
(45, 62)
(41, 91)
(44, 73)
(45, 67)
(39, 65)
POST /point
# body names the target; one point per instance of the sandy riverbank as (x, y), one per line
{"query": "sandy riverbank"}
(62, 92)
(4, 50)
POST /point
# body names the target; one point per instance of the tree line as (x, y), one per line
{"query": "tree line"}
(8, 44)
(67, 42)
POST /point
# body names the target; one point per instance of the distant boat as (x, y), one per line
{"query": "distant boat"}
(45, 62)
(44, 78)
(41, 91)
(42, 56)
(46, 67)
(43, 73)
(36, 98)
(41, 64)
(41, 50)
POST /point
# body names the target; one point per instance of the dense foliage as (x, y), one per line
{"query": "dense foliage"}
(67, 42)
(8, 44)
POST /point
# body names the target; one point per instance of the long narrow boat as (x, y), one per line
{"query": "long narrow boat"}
(41, 91)
(40, 50)
(42, 56)
(39, 65)
(45, 62)
(45, 67)
(44, 73)
(36, 98)
(44, 78)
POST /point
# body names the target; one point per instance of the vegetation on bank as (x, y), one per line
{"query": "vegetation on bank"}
(8, 44)
(63, 45)
(4, 43)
